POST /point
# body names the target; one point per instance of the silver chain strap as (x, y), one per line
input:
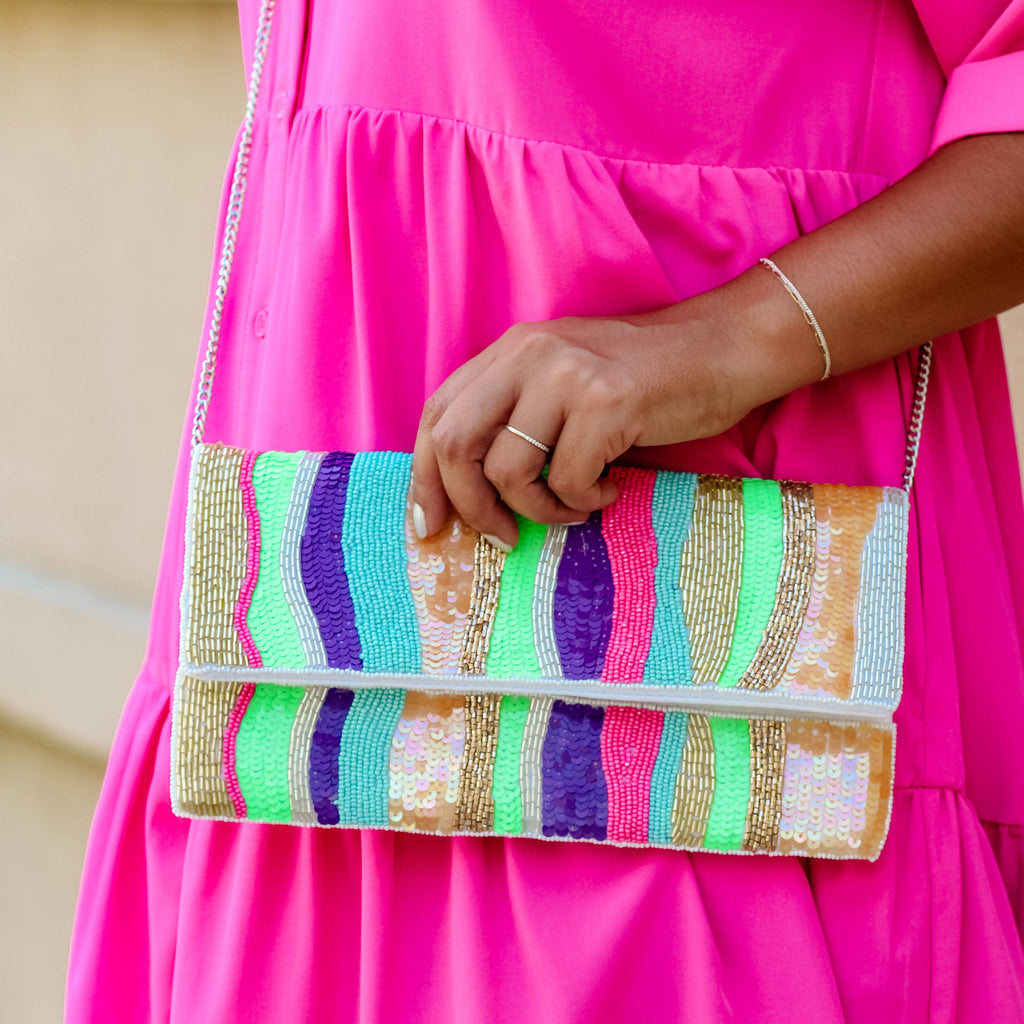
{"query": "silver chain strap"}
(227, 255)
(227, 252)
(924, 369)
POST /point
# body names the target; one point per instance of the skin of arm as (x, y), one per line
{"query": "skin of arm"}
(941, 249)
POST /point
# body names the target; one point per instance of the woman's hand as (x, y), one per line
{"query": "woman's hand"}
(940, 249)
(589, 388)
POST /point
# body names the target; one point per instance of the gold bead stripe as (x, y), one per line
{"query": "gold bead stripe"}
(710, 570)
(475, 810)
(823, 659)
(695, 785)
(767, 761)
(201, 713)
(794, 589)
(217, 561)
(488, 561)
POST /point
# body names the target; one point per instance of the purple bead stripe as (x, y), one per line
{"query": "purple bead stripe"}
(584, 601)
(575, 794)
(323, 755)
(323, 563)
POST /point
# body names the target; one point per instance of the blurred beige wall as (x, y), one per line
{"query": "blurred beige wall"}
(116, 125)
(115, 129)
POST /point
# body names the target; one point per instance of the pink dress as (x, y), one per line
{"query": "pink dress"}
(425, 174)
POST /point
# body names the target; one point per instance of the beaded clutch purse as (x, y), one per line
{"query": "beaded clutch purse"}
(709, 664)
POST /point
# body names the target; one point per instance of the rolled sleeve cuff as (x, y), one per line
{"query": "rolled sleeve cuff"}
(981, 97)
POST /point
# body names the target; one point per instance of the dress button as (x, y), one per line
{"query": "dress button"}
(281, 105)
(259, 324)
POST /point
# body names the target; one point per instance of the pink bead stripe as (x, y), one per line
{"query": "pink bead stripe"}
(252, 570)
(633, 553)
(629, 747)
(228, 749)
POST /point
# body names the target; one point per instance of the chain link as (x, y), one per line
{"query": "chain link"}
(234, 213)
(924, 369)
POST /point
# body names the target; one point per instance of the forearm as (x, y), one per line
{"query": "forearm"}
(942, 249)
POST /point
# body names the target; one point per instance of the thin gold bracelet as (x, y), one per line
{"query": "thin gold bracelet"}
(808, 315)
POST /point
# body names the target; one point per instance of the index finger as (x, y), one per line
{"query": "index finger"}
(431, 505)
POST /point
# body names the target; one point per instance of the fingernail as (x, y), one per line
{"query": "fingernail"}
(582, 522)
(419, 521)
(498, 543)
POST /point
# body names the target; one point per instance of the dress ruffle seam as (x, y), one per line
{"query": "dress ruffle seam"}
(607, 157)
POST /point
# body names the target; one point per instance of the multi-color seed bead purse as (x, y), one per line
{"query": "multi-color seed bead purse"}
(709, 664)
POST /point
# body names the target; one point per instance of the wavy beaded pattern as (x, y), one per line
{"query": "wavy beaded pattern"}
(303, 571)
(216, 566)
(710, 572)
(792, 589)
(823, 656)
(440, 572)
(479, 764)
(628, 532)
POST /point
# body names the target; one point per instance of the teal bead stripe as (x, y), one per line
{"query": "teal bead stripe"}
(663, 778)
(373, 542)
(270, 619)
(759, 577)
(364, 772)
(511, 652)
(668, 662)
(727, 818)
(505, 788)
(261, 751)
(878, 654)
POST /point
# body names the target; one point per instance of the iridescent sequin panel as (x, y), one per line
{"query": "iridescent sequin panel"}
(483, 764)
(822, 660)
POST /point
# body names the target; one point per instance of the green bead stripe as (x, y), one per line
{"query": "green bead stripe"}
(364, 771)
(261, 751)
(270, 618)
(663, 778)
(668, 663)
(727, 818)
(511, 652)
(373, 542)
(759, 578)
(508, 798)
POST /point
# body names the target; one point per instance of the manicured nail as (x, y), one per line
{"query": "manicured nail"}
(419, 521)
(498, 543)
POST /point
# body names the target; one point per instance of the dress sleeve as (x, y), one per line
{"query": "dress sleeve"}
(980, 45)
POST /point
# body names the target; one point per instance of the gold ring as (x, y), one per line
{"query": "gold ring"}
(526, 437)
